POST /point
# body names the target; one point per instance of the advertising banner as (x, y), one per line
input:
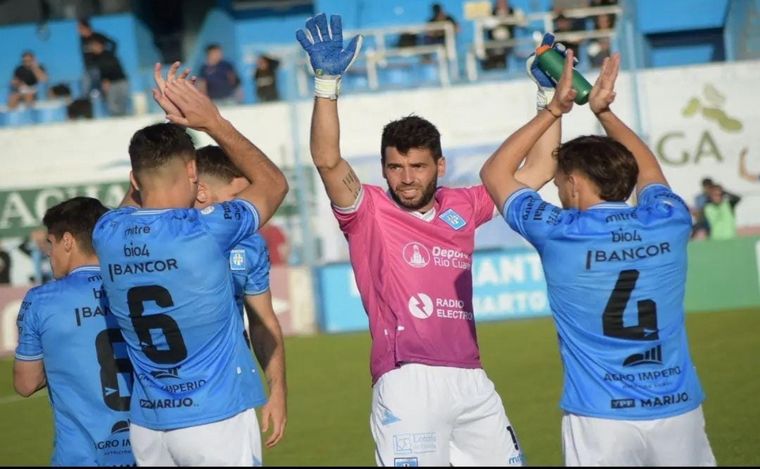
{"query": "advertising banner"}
(507, 284)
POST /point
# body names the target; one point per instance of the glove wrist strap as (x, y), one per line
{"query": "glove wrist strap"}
(543, 97)
(327, 86)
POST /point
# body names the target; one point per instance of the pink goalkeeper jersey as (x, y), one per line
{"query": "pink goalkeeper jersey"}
(414, 275)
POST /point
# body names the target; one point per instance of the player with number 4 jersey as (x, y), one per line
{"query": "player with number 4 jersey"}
(166, 273)
(616, 277)
(69, 341)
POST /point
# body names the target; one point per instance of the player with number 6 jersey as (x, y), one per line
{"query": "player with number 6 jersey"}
(166, 273)
(69, 341)
(616, 277)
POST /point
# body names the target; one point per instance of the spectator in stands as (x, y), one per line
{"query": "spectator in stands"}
(599, 49)
(563, 24)
(25, 79)
(218, 78)
(86, 33)
(602, 3)
(113, 81)
(439, 16)
(265, 78)
(720, 212)
(743, 172)
(700, 229)
(5, 267)
(497, 57)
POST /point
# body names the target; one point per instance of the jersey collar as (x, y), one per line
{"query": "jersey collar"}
(609, 205)
(427, 216)
(86, 268)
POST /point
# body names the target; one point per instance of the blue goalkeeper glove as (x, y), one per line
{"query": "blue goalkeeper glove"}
(546, 84)
(327, 56)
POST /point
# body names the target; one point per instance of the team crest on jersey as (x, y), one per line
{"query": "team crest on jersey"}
(416, 255)
(237, 259)
(207, 210)
(453, 219)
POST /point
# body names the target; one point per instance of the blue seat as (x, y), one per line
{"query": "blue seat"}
(50, 111)
(17, 117)
(428, 73)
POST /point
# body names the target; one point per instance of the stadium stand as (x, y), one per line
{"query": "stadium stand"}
(396, 54)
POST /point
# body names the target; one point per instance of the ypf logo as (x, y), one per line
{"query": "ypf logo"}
(416, 255)
(421, 306)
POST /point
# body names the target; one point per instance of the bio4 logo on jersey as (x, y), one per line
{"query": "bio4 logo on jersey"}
(419, 256)
(422, 306)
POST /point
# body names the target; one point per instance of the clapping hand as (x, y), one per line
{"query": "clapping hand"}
(603, 92)
(564, 96)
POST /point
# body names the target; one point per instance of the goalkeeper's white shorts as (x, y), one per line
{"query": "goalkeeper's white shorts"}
(235, 441)
(439, 416)
(673, 441)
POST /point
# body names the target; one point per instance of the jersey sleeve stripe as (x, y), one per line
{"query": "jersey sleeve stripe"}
(29, 358)
(255, 292)
(512, 197)
(353, 207)
(256, 217)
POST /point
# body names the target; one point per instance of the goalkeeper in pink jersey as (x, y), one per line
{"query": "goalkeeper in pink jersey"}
(411, 251)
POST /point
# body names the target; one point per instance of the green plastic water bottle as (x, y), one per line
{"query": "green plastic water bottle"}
(552, 62)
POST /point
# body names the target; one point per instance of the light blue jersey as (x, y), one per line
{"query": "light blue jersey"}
(616, 277)
(68, 325)
(170, 287)
(249, 263)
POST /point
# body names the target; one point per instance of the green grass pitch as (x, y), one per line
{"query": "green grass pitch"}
(329, 394)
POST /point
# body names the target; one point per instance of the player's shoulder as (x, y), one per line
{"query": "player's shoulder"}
(255, 242)
(660, 199)
(467, 195)
(227, 210)
(115, 215)
(373, 190)
(49, 291)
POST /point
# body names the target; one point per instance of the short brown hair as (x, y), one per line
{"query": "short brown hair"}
(606, 162)
(213, 161)
(411, 132)
(153, 146)
(76, 216)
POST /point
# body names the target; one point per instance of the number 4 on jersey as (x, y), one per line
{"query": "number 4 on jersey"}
(612, 319)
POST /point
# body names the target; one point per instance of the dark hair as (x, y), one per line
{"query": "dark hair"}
(606, 162)
(84, 22)
(213, 161)
(212, 46)
(411, 132)
(76, 216)
(95, 39)
(154, 146)
(27, 52)
(707, 182)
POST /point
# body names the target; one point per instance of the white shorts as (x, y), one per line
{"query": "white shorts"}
(671, 441)
(235, 441)
(436, 416)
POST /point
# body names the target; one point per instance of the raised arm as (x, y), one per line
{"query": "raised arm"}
(499, 171)
(269, 185)
(540, 164)
(330, 60)
(600, 98)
